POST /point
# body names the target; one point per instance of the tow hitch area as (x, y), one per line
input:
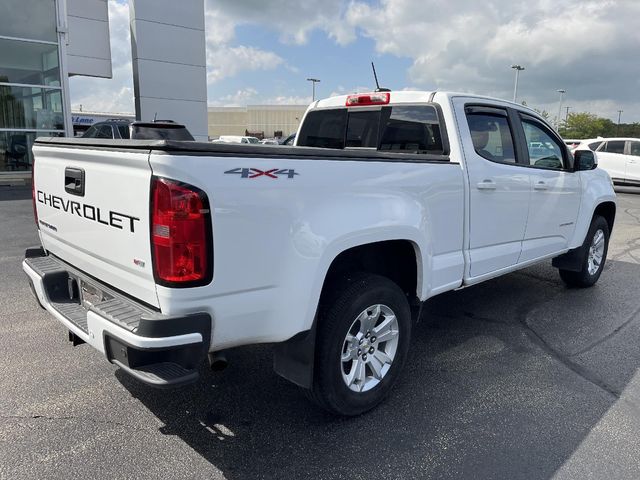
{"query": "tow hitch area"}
(74, 339)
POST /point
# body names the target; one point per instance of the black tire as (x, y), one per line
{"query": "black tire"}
(340, 307)
(583, 278)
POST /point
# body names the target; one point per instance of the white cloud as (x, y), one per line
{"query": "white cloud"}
(251, 96)
(228, 61)
(287, 100)
(223, 60)
(340, 90)
(294, 20)
(586, 47)
(239, 98)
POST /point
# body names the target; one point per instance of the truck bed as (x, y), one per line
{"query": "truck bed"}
(243, 150)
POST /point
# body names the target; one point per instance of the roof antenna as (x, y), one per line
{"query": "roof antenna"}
(378, 88)
(155, 115)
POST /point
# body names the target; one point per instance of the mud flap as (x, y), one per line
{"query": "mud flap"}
(294, 358)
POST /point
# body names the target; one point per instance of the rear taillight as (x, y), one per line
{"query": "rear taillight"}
(33, 192)
(181, 238)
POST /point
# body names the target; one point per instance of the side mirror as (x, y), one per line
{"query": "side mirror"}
(584, 160)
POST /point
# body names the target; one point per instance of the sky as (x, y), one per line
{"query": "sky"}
(262, 52)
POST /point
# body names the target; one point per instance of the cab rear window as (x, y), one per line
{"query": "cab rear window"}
(400, 128)
(412, 129)
(324, 128)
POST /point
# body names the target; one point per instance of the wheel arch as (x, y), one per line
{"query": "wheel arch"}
(608, 211)
(572, 260)
(399, 260)
(402, 263)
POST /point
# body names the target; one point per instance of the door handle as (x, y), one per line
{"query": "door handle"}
(487, 184)
(540, 186)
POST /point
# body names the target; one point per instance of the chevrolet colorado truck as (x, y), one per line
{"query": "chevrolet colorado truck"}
(161, 253)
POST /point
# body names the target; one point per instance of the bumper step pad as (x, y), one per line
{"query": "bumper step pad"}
(165, 374)
(116, 309)
(159, 350)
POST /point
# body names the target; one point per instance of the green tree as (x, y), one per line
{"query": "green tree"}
(628, 130)
(587, 125)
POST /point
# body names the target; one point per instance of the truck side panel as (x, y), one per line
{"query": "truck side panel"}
(596, 189)
(275, 238)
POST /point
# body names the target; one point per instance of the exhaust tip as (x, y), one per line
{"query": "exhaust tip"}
(218, 361)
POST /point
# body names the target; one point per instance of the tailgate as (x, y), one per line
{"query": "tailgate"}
(93, 213)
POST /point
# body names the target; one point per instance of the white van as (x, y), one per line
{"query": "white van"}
(236, 139)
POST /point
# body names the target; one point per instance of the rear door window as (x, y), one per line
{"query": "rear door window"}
(105, 131)
(614, 146)
(634, 148)
(124, 131)
(99, 131)
(491, 134)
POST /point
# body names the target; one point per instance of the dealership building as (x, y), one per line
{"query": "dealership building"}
(42, 43)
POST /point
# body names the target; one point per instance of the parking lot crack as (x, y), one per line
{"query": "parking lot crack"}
(73, 419)
(631, 247)
(573, 366)
(635, 216)
(486, 319)
(621, 327)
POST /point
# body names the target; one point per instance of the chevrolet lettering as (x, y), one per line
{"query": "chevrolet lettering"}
(111, 218)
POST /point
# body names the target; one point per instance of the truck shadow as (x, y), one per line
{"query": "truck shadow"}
(504, 380)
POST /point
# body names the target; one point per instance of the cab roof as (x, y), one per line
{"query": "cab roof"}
(412, 96)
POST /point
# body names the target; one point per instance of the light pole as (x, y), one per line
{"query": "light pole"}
(618, 126)
(566, 115)
(561, 91)
(313, 82)
(518, 69)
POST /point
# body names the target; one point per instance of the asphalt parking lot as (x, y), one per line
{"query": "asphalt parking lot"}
(518, 377)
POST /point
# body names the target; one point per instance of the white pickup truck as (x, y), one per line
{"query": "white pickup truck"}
(160, 254)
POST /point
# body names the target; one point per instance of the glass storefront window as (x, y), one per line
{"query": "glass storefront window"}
(31, 107)
(15, 149)
(31, 88)
(33, 19)
(27, 62)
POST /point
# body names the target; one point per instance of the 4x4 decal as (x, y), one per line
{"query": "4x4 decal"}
(256, 172)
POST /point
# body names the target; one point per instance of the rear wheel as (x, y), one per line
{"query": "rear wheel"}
(596, 246)
(364, 330)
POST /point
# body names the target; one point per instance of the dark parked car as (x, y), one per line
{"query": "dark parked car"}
(115, 128)
(125, 129)
(289, 140)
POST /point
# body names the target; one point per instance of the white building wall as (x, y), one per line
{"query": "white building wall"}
(169, 62)
(255, 118)
(88, 50)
